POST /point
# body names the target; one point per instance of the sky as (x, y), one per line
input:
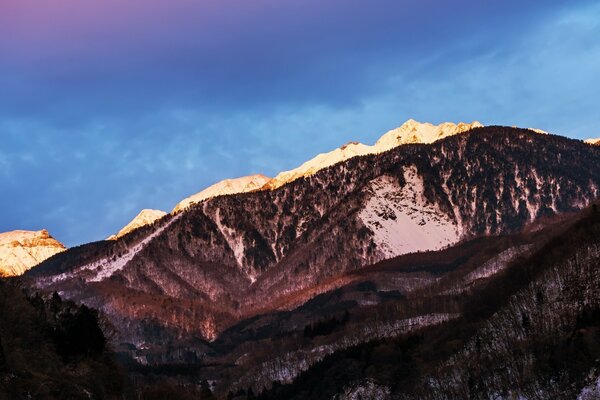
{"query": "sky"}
(109, 106)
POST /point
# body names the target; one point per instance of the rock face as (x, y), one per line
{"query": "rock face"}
(197, 272)
(22, 250)
(145, 217)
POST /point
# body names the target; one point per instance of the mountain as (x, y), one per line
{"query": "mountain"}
(410, 132)
(593, 141)
(228, 186)
(194, 274)
(145, 217)
(22, 250)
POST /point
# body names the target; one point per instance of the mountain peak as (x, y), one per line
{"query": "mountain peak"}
(242, 184)
(417, 132)
(595, 141)
(145, 217)
(21, 250)
(411, 131)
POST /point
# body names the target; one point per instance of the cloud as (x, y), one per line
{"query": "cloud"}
(99, 120)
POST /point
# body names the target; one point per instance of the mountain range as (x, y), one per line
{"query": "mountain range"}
(353, 265)
(410, 132)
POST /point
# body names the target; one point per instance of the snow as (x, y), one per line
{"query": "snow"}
(321, 161)
(540, 131)
(410, 132)
(367, 389)
(235, 242)
(415, 132)
(106, 267)
(21, 250)
(591, 391)
(228, 186)
(595, 141)
(145, 217)
(402, 220)
(496, 263)
(288, 366)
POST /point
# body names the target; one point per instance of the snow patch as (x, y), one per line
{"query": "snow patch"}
(235, 242)
(367, 389)
(496, 264)
(401, 218)
(106, 267)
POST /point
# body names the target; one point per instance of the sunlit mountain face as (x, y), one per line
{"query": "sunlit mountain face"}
(219, 200)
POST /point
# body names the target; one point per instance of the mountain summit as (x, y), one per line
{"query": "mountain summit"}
(416, 132)
(410, 132)
(228, 186)
(145, 217)
(22, 250)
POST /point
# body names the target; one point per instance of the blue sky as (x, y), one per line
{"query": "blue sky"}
(108, 107)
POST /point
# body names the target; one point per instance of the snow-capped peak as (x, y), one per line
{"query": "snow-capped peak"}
(22, 250)
(540, 131)
(410, 132)
(595, 141)
(145, 217)
(323, 160)
(228, 186)
(416, 132)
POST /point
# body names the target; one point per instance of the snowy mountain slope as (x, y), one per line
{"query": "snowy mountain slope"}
(403, 220)
(410, 132)
(145, 217)
(22, 250)
(225, 187)
(228, 186)
(106, 267)
(416, 132)
(593, 141)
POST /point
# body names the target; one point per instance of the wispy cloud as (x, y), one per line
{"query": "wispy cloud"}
(102, 114)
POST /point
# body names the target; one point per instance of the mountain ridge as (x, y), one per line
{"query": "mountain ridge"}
(410, 132)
